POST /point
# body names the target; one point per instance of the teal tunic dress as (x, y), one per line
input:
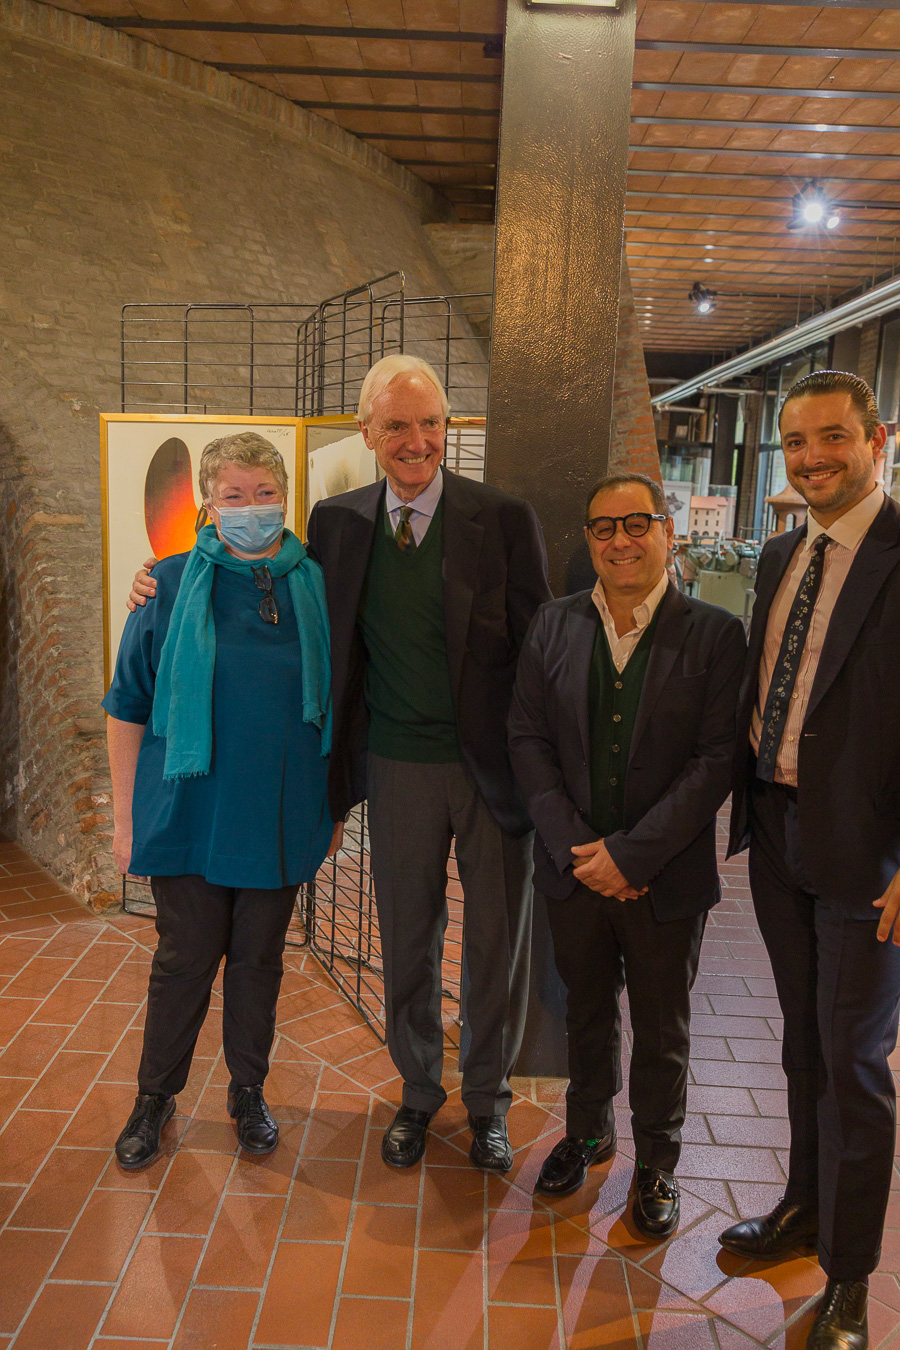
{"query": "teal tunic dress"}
(259, 819)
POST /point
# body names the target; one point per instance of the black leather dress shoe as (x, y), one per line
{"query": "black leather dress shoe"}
(566, 1166)
(404, 1139)
(490, 1147)
(657, 1202)
(771, 1235)
(138, 1144)
(256, 1130)
(841, 1322)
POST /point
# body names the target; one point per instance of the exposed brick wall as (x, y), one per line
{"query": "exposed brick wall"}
(632, 444)
(130, 174)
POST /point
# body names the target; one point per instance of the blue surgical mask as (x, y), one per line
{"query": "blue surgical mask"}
(251, 529)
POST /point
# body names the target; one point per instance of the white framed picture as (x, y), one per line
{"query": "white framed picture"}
(336, 457)
(151, 500)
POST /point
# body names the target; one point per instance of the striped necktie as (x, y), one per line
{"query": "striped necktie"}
(404, 533)
(784, 676)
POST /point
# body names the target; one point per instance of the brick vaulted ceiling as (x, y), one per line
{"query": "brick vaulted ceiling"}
(735, 107)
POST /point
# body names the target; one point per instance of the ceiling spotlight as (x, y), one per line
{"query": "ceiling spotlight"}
(810, 206)
(704, 299)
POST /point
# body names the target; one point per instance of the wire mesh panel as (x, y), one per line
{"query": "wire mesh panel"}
(345, 335)
(211, 358)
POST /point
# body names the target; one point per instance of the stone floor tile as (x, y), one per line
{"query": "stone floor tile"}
(154, 1287)
(217, 1317)
(300, 1295)
(58, 1192)
(449, 1303)
(64, 1317)
(319, 1204)
(376, 1323)
(27, 1256)
(381, 1251)
(190, 1195)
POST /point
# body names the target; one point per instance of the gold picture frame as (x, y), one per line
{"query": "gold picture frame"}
(148, 475)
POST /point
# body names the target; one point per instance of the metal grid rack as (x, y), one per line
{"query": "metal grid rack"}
(310, 360)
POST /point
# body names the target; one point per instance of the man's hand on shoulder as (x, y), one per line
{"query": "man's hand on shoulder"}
(889, 904)
(599, 873)
(143, 588)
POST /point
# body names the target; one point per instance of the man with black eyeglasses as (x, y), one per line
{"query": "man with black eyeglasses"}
(622, 740)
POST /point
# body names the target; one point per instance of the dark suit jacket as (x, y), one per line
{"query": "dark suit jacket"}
(495, 576)
(682, 750)
(849, 754)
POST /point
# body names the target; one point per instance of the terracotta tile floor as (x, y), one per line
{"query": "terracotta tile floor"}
(320, 1244)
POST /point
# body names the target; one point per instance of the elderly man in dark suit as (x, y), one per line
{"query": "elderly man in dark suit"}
(432, 580)
(817, 795)
(622, 738)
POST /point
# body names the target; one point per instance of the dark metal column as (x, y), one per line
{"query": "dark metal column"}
(560, 212)
(560, 216)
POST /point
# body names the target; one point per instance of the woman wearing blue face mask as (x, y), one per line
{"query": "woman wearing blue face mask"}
(219, 730)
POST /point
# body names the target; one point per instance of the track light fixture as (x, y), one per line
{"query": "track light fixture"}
(704, 299)
(810, 206)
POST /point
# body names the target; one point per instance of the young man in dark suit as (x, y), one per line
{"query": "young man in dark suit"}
(817, 796)
(432, 580)
(622, 739)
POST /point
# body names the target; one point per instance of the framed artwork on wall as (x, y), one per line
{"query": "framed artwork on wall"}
(336, 457)
(151, 500)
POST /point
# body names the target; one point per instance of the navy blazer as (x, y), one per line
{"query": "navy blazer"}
(849, 752)
(494, 578)
(682, 749)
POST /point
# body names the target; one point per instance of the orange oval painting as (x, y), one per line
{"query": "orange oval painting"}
(169, 507)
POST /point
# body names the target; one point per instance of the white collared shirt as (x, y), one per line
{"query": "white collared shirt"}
(621, 648)
(423, 507)
(847, 532)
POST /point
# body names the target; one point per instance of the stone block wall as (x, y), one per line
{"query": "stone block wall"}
(133, 175)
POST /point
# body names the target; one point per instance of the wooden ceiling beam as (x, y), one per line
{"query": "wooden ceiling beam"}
(296, 29)
(687, 47)
(354, 72)
(761, 90)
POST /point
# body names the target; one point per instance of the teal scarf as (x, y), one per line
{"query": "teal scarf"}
(182, 703)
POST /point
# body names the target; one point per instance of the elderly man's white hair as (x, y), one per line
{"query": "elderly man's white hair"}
(387, 370)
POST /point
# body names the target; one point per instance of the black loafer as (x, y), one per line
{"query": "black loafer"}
(566, 1166)
(657, 1202)
(842, 1320)
(788, 1227)
(490, 1147)
(256, 1130)
(404, 1139)
(138, 1144)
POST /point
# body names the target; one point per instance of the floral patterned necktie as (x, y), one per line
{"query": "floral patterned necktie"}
(784, 675)
(404, 533)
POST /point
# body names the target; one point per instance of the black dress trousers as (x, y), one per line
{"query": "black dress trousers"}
(839, 990)
(603, 945)
(198, 924)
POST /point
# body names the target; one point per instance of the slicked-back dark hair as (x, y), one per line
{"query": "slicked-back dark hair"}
(613, 480)
(838, 382)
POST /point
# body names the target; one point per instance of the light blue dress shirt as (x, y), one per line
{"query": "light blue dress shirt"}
(423, 507)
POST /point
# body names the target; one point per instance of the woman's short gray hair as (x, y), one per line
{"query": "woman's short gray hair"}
(388, 369)
(249, 450)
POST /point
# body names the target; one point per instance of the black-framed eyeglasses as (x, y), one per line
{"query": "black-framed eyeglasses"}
(634, 524)
(268, 606)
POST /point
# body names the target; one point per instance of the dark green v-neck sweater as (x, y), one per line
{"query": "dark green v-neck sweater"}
(408, 691)
(613, 698)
